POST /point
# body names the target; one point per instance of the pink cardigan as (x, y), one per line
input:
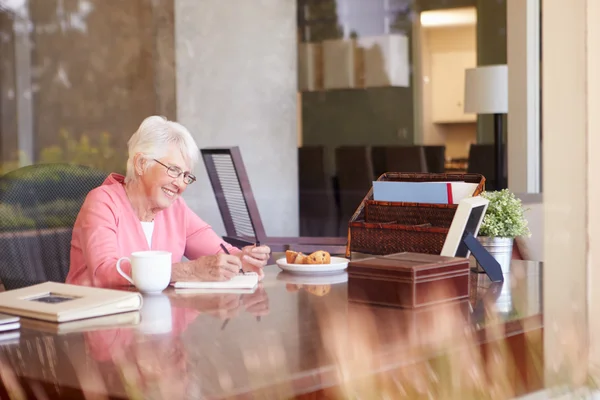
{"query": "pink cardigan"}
(107, 228)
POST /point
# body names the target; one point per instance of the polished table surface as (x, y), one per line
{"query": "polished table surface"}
(294, 337)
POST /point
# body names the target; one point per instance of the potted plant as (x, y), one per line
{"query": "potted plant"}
(503, 222)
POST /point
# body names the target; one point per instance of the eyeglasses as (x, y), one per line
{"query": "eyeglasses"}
(176, 172)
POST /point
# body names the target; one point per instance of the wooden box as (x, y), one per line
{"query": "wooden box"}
(408, 280)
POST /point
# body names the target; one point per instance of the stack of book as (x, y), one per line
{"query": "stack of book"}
(9, 328)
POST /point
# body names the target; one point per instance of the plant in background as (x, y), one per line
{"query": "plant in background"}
(98, 154)
(504, 217)
(83, 152)
(47, 208)
(19, 158)
(13, 218)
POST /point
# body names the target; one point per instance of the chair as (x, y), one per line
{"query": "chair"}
(481, 161)
(355, 177)
(378, 161)
(243, 224)
(318, 211)
(435, 156)
(38, 207)
(405, 159)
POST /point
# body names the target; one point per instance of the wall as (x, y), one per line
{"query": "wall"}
(459, 138)
(570, 103)
(236, 86)
(374, 116)
(524, 95)
(491, 50)
(456, 136)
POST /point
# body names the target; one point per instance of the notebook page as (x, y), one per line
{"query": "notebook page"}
(241, 281)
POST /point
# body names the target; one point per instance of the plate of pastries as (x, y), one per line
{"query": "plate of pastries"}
(317, 262)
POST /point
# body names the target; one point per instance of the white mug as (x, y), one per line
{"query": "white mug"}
(150, 270)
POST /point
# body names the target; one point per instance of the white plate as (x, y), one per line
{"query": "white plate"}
(320, 279)
(337, 264)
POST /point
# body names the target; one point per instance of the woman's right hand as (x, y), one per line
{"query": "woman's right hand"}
(220, 267)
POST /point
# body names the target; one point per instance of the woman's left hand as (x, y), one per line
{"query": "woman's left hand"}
(254, 258)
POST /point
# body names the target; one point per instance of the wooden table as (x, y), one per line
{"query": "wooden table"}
(295, 337)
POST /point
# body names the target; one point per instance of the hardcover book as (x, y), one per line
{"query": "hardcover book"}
(60, 302)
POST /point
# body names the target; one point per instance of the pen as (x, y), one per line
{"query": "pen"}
(227, 252)
(225, 324)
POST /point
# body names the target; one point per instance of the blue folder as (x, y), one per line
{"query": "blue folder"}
(413, 192)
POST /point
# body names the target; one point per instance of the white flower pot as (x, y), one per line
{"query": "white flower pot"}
(500, 248)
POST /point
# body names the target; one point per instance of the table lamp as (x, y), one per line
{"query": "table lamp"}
(486, 92)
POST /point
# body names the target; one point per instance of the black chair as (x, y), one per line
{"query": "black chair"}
(38, 207)
(435, 157)
(354, 170)
(318, 211)
(378, 161)
(405, 159)
(243, 224)
(481, 161)
(398, 159)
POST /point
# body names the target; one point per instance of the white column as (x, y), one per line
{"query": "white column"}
(24, 95)
(417, 79)
(571, 121)
(523, 49)
(237, 86)
(593, 181)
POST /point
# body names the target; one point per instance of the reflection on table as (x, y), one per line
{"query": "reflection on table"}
(294, 336)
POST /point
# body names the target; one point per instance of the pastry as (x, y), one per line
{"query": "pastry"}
(290, 256)
(319, 257)
(301, 259)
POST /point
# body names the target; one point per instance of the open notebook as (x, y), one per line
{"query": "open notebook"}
(242, 281)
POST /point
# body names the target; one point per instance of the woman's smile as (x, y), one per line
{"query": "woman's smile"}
(170, 193)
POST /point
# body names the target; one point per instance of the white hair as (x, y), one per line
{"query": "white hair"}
(154, 138)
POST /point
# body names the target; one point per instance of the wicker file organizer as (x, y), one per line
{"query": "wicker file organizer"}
(381, 228)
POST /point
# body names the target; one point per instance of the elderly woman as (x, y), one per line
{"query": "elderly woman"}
(145, 211)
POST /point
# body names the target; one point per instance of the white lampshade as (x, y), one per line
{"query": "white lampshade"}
(486, 90)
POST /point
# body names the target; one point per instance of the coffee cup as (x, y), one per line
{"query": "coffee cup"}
(150, 270)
